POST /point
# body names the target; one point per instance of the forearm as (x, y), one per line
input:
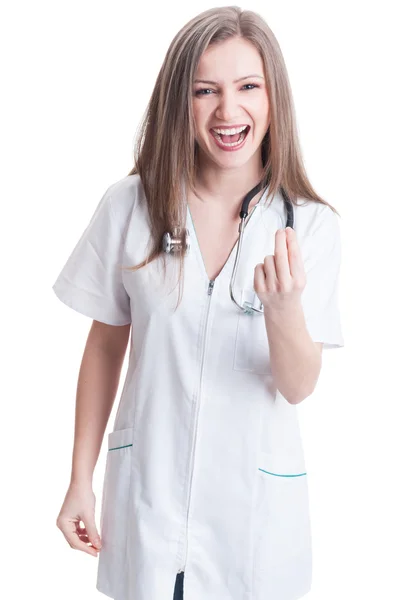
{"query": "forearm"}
(97, 385)
(295, 360)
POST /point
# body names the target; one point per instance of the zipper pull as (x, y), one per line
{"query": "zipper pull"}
(210, 288)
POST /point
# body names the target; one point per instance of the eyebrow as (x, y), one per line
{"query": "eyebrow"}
(236, 80)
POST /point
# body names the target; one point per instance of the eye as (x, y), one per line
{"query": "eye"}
(252, 84)
(200, 91)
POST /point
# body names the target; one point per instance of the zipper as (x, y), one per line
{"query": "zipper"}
(209, 293)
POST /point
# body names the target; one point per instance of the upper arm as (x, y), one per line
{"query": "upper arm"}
(319, 346)
(111, 338)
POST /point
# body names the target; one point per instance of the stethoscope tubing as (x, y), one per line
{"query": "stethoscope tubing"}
(179, 240)
(247, 307)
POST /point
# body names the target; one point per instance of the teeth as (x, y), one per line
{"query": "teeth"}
(240, 140)
(230, 131)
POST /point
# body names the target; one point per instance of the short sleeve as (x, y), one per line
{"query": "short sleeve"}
(91, 280)
(320, 297)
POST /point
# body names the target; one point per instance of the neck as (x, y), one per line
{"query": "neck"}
(227, 186)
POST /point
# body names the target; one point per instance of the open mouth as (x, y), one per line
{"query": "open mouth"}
(230, 141)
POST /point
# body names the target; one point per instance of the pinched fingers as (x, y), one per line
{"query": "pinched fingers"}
(75, 535)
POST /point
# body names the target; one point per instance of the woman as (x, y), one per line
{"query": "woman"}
(205, 489)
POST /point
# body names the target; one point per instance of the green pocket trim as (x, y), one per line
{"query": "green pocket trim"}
(280, 475)
(119, 447)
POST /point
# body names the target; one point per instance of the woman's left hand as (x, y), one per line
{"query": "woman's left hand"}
(280, 280)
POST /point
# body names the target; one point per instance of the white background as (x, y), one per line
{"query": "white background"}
(76, 78)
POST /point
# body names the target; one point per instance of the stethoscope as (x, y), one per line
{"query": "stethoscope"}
(179, 241)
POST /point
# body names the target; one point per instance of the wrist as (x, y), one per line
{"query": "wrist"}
(81, 481)
(288, 312)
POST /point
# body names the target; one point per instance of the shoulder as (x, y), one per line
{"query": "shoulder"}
(317, 229)
(315, 218)
(319, 235)
(124, 197)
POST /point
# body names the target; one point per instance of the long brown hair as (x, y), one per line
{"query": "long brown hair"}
(165, 150)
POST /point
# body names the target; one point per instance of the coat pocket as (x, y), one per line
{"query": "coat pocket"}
(251, 343)
(115, 509)
(123, 438)
(283, 534)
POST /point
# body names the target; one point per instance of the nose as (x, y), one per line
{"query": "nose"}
(227, 106)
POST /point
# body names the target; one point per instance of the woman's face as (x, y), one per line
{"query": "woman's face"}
(220, 101)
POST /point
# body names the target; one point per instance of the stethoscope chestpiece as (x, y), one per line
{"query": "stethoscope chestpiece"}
(177, 241)
(248, 308)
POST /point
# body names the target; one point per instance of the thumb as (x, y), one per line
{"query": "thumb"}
(93, 534)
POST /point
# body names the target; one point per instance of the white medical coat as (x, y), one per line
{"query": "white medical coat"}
(205, 469)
